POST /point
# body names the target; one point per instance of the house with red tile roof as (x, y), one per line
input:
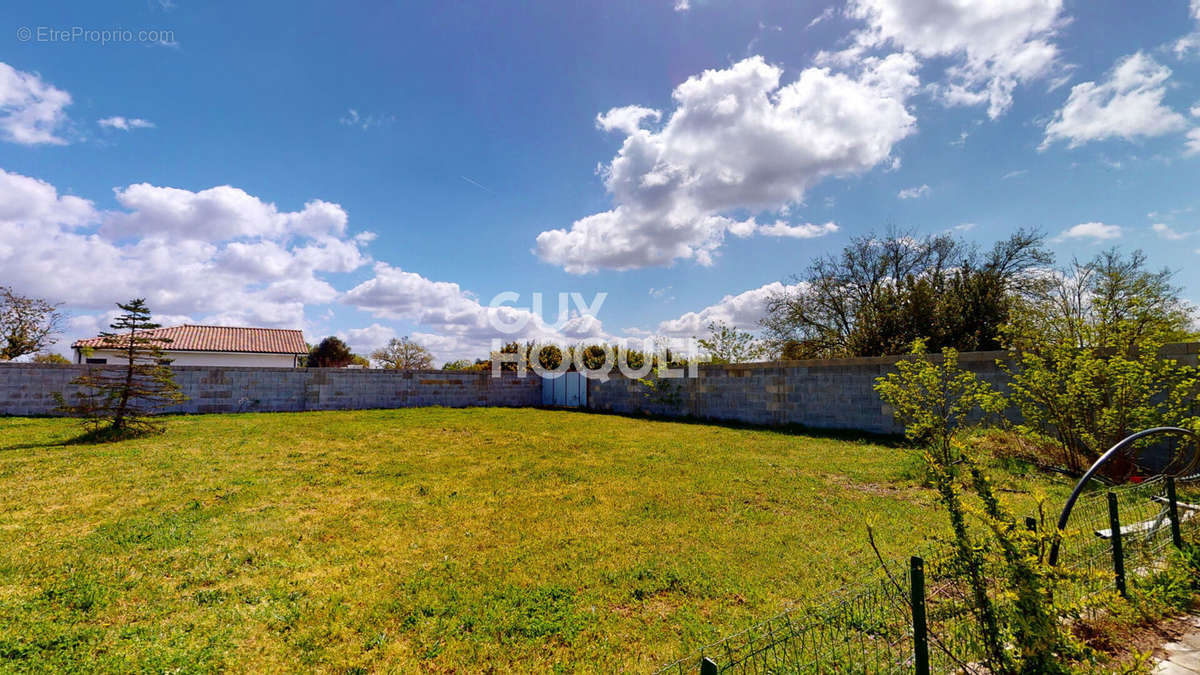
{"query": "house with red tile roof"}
(210, 346)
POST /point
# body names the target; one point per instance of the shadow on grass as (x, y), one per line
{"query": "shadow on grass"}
(849, 435)
(93, 437)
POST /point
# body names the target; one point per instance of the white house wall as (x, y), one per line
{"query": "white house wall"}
(210, 359)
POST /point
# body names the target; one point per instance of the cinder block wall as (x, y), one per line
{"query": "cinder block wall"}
(28, 389)
(829, 394)
(825, 393)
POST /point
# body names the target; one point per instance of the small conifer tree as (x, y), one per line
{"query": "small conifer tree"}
(120, 402)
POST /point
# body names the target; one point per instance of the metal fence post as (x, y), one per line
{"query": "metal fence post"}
(1031, 524)
(708, 667)
(1173, 512)
(920, 628)
(1114, 524)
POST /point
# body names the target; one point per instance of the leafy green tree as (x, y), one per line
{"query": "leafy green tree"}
(1020, 628)
(330, 353)
(460, 364)
(117, 403)
(550, 357)
(27, 325)
(727, 344)
(51, 358)
(881, 293)
(1086, 365)
(403, 354)
(507, 351)
(792, 350)
(935, 400)
(595, 356)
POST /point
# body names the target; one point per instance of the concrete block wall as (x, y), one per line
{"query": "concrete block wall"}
(819, 393)
(28, 389)
(829, 394)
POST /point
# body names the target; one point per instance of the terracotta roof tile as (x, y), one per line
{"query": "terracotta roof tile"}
(188, 338)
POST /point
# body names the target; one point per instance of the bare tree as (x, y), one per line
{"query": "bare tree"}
(403, 354)
(27, 325)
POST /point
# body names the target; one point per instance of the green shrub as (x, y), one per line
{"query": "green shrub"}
(1086, 366)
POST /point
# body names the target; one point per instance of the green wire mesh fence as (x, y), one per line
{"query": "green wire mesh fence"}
(868, 627)
(865, 628)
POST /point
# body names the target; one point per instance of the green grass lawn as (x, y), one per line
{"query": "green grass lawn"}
(435, 539)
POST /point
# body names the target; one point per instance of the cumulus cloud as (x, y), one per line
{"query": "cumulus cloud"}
(1192, 144)
(1094, 231)
(31, 109)
(1167, 232)
(368, 339)
(996, 45)
(465, 325)
(216, 214)
(1128, 105)
(913, 192)
(736, 141)
(240, 262)
(125, 123)
(742, 311)
(33, 202)
(1191, 41)
(627, 119)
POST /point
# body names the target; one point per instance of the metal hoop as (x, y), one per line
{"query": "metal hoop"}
(1186, 470)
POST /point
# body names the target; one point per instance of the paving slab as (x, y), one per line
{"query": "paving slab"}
(1181, 657)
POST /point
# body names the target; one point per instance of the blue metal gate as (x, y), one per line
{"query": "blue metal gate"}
(566, 390)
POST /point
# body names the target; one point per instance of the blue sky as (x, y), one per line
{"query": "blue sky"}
(380, 169)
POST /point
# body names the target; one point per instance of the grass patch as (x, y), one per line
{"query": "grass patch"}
(437, 539)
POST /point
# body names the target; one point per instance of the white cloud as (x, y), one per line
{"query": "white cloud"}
(125, 123)
(627, 119)
(663, 293)
(825, 15)
(216, 214)
(1167, 232)
(682, 5)
(1095, 231)
(1187, 43)
(803, 231)
(1129, 104)
(736, 141)
(466, 326)
(353, 119)
(1191, 41)
(1000, 45)
(913, 192)
(29, 201)
(31, 110)
(1192, 145)
(366, 340)
(1014, 174)
(742, 311)
(62, 248)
